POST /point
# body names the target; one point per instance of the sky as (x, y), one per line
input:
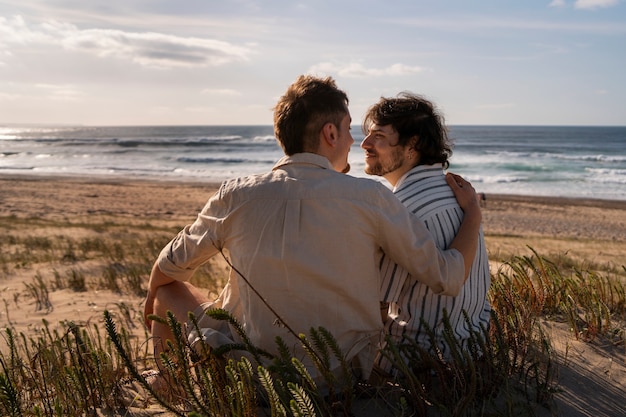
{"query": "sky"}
(207, 62)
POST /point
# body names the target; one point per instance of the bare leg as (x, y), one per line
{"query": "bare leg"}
(180, 298)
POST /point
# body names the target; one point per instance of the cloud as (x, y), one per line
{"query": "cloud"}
(484, 22)
(8, 96)
(200, 109)
(150, 49)
(594, 4)
(61, 92)
(557, 3)
(221, 92)
(356, 70)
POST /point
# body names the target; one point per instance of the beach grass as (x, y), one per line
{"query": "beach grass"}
(78, 367)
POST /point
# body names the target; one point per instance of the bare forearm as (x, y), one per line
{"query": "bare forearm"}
(158, 279)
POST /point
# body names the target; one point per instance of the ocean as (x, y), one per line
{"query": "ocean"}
(566, 161)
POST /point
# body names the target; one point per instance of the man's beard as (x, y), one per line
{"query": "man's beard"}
(383, 168)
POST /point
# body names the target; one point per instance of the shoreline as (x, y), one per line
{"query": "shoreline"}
(24, 195)
(572, 201)
(200, 182)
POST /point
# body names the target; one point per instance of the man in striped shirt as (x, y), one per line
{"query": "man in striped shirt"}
(406, 143)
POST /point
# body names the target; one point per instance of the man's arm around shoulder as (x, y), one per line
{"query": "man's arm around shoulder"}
(466, 240)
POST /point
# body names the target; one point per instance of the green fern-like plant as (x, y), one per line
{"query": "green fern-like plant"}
(301, 405)
(9, 395)
(273, 399)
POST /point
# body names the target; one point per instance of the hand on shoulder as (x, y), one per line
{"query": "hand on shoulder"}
(465, 194)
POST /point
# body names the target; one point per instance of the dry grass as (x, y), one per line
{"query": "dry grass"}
(76, 368)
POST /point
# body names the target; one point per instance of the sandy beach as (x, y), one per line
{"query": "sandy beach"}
(582, 228)
(594, 231)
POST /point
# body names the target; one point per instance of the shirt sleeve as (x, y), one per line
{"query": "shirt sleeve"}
(196, 243)
(406, 241)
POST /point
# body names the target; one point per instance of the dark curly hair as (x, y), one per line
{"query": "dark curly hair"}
(413, 116)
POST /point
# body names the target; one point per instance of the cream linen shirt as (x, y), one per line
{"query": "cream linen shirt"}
(309, 240)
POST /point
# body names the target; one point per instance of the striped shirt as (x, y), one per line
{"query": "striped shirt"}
(424, 191)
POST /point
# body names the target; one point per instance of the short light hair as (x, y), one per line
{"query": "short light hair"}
(301, 113)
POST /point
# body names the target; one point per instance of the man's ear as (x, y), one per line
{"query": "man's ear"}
(330, 134)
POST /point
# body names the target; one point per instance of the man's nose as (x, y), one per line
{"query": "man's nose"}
(365, 143)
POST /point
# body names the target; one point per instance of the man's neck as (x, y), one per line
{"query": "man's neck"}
(394, 176)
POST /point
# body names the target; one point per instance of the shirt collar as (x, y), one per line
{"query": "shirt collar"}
(420, 171)
(303, 158)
